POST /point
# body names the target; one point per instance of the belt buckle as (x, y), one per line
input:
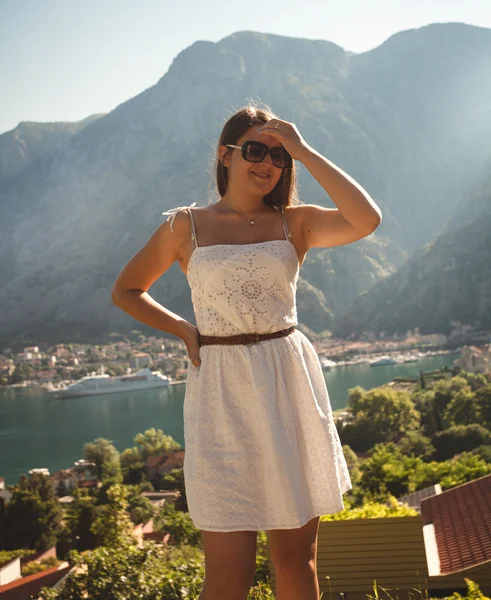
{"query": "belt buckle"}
(254, 341)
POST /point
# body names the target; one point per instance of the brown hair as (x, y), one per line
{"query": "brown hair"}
(285, 191)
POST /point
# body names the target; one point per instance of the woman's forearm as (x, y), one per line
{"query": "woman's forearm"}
(141, 306)
(352, 200)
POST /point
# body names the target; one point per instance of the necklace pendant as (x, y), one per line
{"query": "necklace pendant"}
(251, 222)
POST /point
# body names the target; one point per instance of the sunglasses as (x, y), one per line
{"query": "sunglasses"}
(257, 151)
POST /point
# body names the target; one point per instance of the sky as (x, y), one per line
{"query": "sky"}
(63, 60)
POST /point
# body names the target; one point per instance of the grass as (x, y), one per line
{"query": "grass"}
(263, 591)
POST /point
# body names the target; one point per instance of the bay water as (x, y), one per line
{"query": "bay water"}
(38, 430)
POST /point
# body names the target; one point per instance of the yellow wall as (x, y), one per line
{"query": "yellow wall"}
(351, 554)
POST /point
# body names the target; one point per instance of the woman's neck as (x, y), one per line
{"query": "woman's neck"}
(244, 203)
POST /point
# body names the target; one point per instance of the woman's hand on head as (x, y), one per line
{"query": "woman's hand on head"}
(288, 136)
(190, 337)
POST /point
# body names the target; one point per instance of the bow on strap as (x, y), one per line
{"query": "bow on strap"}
(173, 212)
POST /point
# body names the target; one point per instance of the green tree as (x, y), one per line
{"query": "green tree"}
(178, 524)
(380, 415)
(387, 471)
(33, 516)
(443, 393)
(462, 409)
(106, 458)
(462, 469)
(459, 438)
(422, 381)
(79, 518)
(140, 508)
(132, 466)
(154, 441)
(353, 463)
(483, 401)
(475, 380)
(112, 525)
(483, 452)
(456, 471)
(430, 420)
(416, 444)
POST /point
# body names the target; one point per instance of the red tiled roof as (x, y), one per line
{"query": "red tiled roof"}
(154, 460)
(87, 483)
(175, 459)
(461, 518)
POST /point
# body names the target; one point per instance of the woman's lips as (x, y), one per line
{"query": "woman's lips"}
(263, 177)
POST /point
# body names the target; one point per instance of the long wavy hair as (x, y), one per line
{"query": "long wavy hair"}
(285, 191)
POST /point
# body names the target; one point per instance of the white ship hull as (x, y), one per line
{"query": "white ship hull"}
(98, 385)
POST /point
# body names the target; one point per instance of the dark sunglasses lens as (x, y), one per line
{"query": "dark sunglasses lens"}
(279, 157)
(255, 152)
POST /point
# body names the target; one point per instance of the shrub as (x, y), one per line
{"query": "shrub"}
(178, 524)
(373, 510)
(460, 438)
(416, 444)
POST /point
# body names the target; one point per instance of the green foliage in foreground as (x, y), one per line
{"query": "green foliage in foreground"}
(373, 510)
(122, 570)
(388, 471)
(179, 525)
(7, 555)
(127, 571)
(473, 592)
(402, 432)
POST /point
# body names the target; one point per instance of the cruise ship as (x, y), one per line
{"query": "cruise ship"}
(102, 383)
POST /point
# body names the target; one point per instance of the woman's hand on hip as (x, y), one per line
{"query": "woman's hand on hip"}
(190, 337)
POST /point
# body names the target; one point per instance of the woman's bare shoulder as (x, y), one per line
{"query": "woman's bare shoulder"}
(178, 220)
(295, 213)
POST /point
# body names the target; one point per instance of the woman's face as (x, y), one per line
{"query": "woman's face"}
(247, 175)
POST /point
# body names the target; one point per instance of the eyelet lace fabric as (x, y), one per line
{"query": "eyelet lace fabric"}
(244, 288)
(261, 447)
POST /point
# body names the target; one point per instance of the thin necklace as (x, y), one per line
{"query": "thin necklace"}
(251, 221)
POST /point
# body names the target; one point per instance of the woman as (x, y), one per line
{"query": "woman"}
(262, 450)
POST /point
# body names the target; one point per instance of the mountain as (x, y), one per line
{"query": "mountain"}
(446, 280)
(423, 97)
(72, 218)
(29, 141)
(475, 204)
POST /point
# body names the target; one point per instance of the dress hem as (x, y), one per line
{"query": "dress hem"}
(267, 527)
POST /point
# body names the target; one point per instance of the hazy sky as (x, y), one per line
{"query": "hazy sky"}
(62, 60)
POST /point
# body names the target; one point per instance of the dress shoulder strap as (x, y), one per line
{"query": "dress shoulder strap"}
(194, 239)
(172, 212)
(285, 225)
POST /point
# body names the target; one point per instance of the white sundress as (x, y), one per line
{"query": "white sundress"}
(261, 448)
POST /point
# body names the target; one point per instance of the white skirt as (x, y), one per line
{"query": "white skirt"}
(261, 447)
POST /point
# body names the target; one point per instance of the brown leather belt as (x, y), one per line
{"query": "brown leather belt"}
(243, 338)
